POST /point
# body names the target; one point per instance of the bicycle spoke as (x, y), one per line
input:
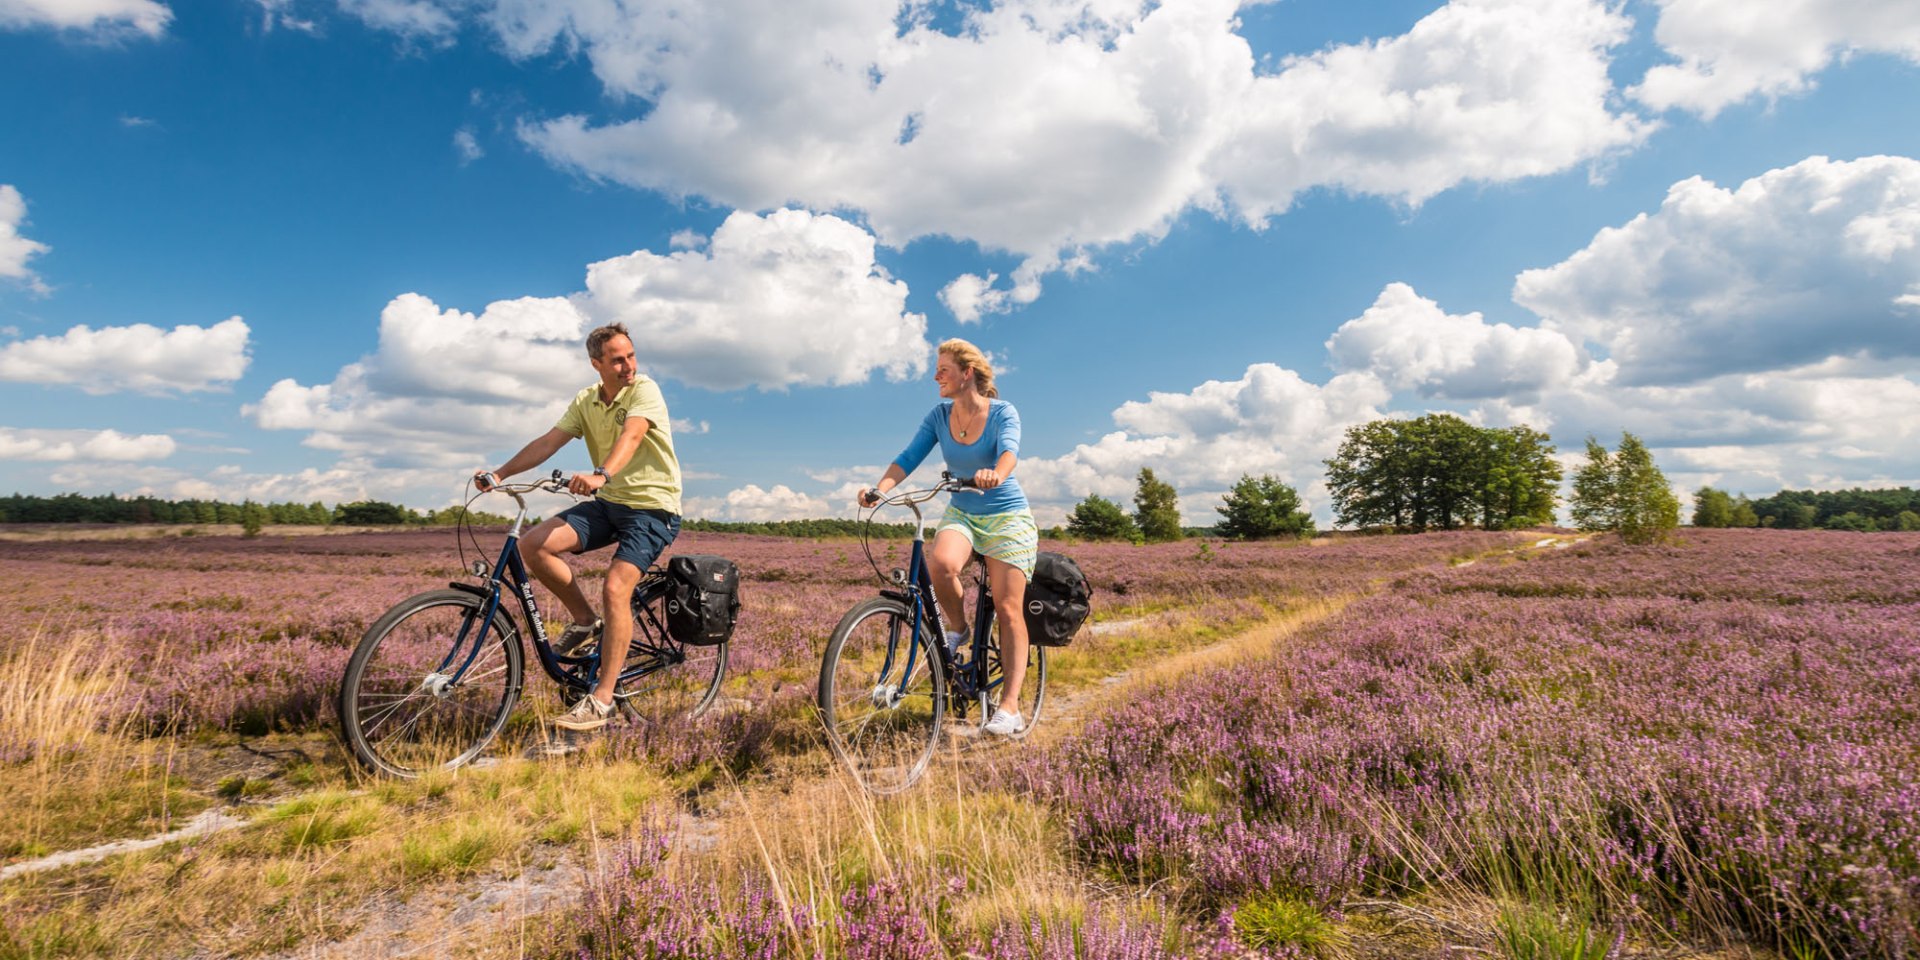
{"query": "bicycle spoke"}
(405, 714)
(883, 721)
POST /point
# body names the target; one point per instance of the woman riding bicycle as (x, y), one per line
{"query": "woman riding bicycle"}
(979, 435)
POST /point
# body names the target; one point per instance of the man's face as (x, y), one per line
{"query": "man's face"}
(616, 366)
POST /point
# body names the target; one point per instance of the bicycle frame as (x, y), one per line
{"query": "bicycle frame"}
(969, 678)
(510, 571)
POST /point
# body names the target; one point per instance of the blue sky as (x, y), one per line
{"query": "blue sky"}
(334, 249)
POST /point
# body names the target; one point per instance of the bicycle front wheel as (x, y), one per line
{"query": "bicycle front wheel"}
(1033, 684)
(883, 694)
(413, 701)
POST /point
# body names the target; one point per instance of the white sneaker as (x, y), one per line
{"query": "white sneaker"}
(588, 714)
(955, 639)
(1005, 723)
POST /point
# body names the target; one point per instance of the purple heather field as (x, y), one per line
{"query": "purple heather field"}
(1716, 734)
(253, 634)
(1710, 738)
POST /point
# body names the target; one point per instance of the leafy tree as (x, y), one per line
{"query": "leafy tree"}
(1261, 508)
(1624, 492)
(1712, 508)
(1439, 471)
(1156, 508)
(1907, 521)
(1854, 522)
(372, 513)
(1365, 478)
(1097, 518)
(1715, 508)
(252, 517)
(1521, 484)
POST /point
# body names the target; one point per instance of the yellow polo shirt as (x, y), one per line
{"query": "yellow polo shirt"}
(651, 479)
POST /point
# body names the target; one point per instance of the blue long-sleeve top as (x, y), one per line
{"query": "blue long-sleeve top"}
(1000, 434)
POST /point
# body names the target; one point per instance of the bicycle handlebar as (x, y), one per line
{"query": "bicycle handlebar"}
(947, 482)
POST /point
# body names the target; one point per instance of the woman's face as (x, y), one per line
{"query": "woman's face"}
(950, 376)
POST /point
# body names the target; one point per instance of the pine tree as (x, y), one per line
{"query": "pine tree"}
(1157, 509)
(1097, 518)
(1259, 508)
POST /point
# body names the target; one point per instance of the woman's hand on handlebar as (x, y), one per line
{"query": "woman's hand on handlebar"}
(867, 497)
(985, 479)
(485, 481)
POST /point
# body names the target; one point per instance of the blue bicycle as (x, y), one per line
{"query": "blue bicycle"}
(886, 677)
(436, 677)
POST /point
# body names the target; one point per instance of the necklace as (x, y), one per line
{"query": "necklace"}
(962, 432)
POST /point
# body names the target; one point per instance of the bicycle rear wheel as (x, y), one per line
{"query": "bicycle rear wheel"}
(406, 706)
(663, 678)
(1033, 686)
(882, 694)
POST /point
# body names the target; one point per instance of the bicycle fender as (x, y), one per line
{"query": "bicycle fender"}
(465, 587)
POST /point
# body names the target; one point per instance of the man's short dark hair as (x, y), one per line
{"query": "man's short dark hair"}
(600, 335)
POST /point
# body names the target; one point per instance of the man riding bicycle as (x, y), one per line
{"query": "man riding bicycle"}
(635, 487)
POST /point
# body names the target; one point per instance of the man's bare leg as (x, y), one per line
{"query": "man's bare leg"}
(617, 600)
(541, 551)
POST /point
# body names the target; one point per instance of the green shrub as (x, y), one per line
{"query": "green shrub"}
(1272, 921)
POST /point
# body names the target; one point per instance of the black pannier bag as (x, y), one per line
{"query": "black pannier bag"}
(1058, 598)
(703, 599)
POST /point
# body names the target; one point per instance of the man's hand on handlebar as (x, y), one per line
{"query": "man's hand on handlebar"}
(485, 481)
(584, 484)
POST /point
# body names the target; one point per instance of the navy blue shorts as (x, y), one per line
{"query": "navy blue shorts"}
(643, 534)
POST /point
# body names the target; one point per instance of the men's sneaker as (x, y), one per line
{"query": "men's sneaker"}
(588, 714)
(1005, 723)
(578, 638)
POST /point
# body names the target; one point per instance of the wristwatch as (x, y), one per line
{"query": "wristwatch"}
(602, 472)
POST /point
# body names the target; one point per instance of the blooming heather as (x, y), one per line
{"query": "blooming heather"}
(235, 633)
(1722, 729)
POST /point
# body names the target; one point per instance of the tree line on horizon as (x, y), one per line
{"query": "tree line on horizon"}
(1859, 510)
(112, 508)
(1440, 472)
(1435, 472)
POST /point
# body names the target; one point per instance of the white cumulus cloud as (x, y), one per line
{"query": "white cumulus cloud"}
(1048, 128)
(443, 386)
(467, 146)
(752, 504)
(100, 17)
(1794, 266)
(1410, 343)
(413, 19)
(1269, 421)
(64, 445)
(16, 250)
(1728, 52)
(141, 358)
(789, 299)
